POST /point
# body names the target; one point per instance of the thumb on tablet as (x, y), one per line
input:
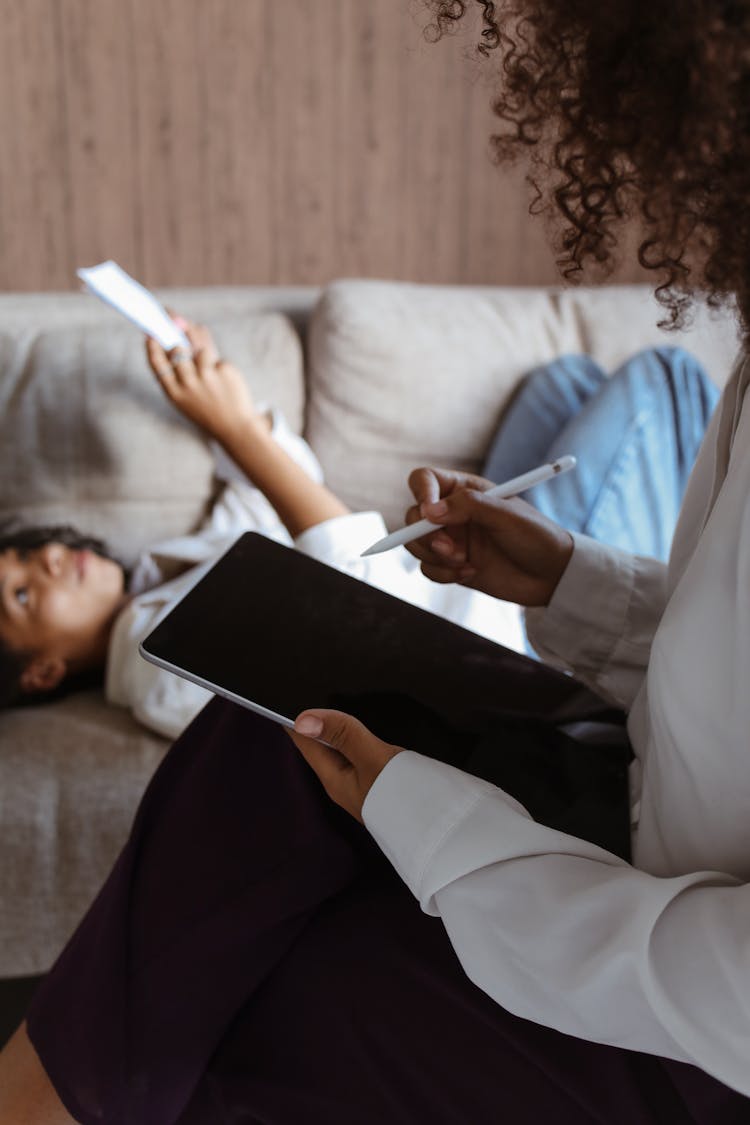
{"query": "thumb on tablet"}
(345, 755)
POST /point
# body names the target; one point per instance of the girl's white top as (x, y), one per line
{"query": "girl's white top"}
(165, 702)
(654, 957)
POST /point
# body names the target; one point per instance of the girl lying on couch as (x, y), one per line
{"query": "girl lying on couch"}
(70, 613)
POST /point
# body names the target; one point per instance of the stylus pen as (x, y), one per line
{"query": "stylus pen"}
(508, 488)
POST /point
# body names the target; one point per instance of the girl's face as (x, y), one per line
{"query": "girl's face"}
(58, 604)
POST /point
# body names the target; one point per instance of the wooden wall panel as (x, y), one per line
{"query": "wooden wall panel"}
(249, 141)
(35, 180)
(96, 176)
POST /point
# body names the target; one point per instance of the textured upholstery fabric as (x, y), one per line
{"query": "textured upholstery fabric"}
(71, 776)
(398, 375)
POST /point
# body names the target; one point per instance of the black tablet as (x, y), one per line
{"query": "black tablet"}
(278, 631)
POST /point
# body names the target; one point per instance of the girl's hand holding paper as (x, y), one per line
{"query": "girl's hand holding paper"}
(205, 388)
(136, 303)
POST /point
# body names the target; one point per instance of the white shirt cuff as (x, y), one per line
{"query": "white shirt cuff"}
(414, 805)
(343, 537)
(588, 612)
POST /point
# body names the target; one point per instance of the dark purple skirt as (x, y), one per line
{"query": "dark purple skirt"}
(254, 959)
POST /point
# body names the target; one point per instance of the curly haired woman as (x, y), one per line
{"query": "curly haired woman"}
(258, 954)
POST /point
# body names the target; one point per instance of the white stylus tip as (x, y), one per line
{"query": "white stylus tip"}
(562, 464)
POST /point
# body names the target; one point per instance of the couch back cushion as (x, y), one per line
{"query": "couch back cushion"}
(86, 434)
(402, 375)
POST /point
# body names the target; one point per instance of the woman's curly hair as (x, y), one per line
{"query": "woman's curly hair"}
(639, 110)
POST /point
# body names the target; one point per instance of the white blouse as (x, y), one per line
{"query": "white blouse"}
(653, 957)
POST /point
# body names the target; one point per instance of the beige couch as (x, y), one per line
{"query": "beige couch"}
(380, 377)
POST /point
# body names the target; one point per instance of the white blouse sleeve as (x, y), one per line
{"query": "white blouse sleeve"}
(160, 700)
(601, 620)
(562, 933)
(340, 541)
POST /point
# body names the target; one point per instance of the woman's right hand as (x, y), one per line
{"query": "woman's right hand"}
(505, 548)
(210, 392)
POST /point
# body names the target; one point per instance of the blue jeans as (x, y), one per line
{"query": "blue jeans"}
(635, 435)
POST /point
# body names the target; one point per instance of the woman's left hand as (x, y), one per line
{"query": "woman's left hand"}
(344, 754)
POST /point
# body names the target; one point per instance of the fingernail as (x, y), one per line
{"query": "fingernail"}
(439, 508)
(180, 321)
(309, 724)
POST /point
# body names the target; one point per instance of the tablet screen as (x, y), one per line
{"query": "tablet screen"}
(278, 631)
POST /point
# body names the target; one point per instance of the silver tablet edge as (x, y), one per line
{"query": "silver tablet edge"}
(215, 688)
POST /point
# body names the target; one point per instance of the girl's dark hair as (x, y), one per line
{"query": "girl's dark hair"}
(12, 662)
(639, 110)
(14, 536)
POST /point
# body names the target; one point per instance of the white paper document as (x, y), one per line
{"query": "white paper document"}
(111, 284)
